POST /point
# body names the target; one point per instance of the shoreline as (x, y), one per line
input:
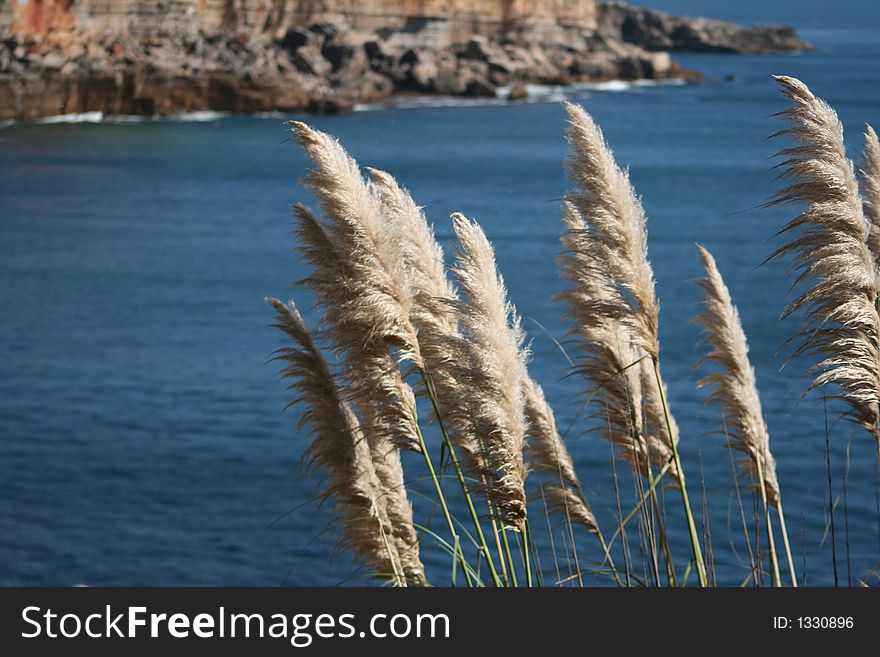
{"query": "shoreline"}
(403, 101)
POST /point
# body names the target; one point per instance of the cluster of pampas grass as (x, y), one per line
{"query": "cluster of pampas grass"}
(831, 255)
(405, 340)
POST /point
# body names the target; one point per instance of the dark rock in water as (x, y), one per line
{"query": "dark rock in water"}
(480, 87)
(518, 92)
(655, 30)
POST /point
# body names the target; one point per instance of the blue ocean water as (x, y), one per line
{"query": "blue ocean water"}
(142, 440)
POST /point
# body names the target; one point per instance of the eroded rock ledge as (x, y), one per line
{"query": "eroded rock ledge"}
(329, 67)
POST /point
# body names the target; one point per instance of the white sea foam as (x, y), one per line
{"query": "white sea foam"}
(198, 117)
(414, 102)
(128, 118)
(609, 85)
(418, 102)
(84, 117)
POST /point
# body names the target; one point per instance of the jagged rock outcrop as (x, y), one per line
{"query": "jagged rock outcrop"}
(655, 31)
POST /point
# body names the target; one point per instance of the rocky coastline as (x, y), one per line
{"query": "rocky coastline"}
(328, 66)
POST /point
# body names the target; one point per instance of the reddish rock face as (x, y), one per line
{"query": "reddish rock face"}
(41, 16)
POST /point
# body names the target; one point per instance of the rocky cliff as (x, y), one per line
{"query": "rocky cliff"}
(141, 17)
(171, 56)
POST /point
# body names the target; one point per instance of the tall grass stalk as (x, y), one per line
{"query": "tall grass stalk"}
(613, 278)
(771, 542)
(430, 313)
(682, 487)
(441, 498)
(788, 554)
(459, 474)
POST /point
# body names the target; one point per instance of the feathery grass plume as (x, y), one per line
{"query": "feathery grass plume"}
(830, 254)
(609, 359)
(614, 252)
(431, 312)
(373, 306)
(386, 461)
(385, 401)
(422, 257)
(361, 283)
(869, 174)
(616, 248)
(614, 217)
(734, 389)
(338, 449)
(488, 363)
(547, 453)
(342, 291)
(354, 221)
(733, 386)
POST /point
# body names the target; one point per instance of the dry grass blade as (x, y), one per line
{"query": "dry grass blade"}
(487, 362)
(548, 454)
(733, 386)
(338, 449)
(869, 175)
(830, 254)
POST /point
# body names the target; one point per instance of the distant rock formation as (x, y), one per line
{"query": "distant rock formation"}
(657, 31)
(173, 56)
